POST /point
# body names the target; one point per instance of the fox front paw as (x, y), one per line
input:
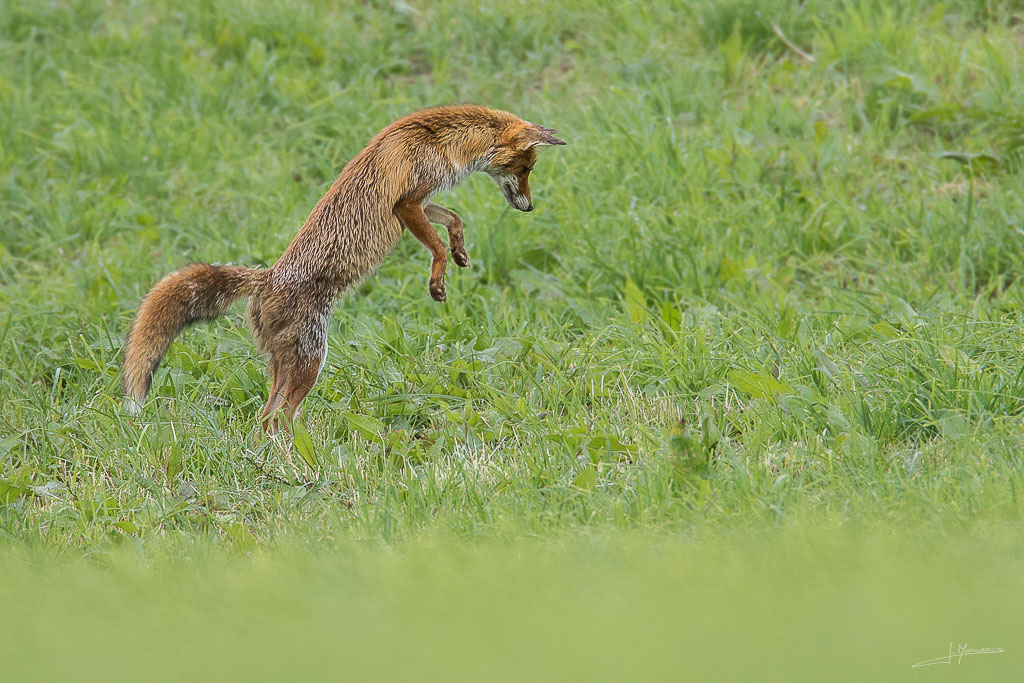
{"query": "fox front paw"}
(460, 257)
(437, 291)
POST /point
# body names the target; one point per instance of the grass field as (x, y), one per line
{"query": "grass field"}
(742, 398)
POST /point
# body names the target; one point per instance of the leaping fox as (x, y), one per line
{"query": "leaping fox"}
(385, 188)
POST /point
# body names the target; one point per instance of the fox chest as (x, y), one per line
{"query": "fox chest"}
(449, 177)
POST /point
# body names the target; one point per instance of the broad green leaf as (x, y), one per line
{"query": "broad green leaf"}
(671, 317)
(954, 357)
(304, 444)
(367, 426)
(586, 478)
(758, 385)
(174, 461)
(9, 492)
(729, 269)
(128, 527)
(98, 509)
(257, 55)
(821, 132)
(607, 444)
(953, 424)
(732, 52)
(787, 322)
(837, 421)
(825, 365)
(241, 537)
(636, 303)
(884, 328)
(711, 434)
(86, 363)
(400, 405)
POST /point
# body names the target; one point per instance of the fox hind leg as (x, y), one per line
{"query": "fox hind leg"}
(293, 381)
(292, 329)
(268, 417)
(296, 358)
(300, 382)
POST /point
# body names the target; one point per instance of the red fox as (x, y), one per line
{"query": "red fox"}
(386, 188)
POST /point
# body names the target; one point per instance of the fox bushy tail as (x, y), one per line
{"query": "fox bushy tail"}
(196, 292)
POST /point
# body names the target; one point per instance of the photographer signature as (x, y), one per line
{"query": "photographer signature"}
(958, 654)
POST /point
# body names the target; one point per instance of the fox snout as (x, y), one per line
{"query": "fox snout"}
(517, 196)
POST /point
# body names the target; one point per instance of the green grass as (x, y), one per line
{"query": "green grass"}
(759, 296)
(831, 605)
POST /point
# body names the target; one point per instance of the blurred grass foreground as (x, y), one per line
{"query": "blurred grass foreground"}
(840, 605)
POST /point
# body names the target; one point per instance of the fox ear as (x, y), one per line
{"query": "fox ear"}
(539, 136)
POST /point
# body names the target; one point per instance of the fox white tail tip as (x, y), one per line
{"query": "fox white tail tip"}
(132, 405)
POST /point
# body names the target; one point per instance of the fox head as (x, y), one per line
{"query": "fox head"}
(514, 156)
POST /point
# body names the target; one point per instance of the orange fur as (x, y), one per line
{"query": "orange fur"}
(384, 189)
